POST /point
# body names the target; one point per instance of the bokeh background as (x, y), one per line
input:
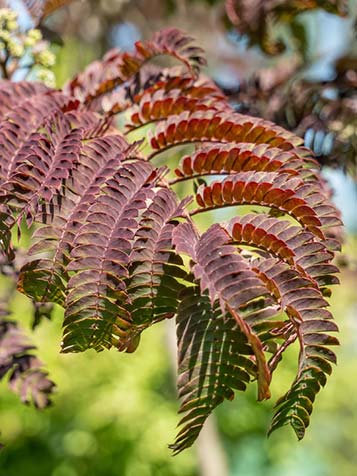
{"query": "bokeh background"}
(114, 414)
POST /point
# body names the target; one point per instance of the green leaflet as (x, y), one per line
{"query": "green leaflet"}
(213, 362)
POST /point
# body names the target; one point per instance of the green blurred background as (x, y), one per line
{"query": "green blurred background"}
(114, 414)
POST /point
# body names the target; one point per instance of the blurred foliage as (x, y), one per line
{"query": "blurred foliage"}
(259, 20)
(111, 416)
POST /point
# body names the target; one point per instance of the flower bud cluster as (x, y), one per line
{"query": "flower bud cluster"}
(17, 48)
(9, 25)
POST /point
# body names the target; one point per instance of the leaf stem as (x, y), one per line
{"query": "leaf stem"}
(264, 375)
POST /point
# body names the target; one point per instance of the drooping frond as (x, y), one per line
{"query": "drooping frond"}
(96, 315)
(213, 361)
(306, 308)
(116, 68)
(234, 157)
(289, 275)
(281, 191)
(297, 285)
(213, 126)
(26, 375)
(243, 301)
(153, 286)
(25, 117)
(51, 158)
(19, 139)
(24, 371)
(45, 279)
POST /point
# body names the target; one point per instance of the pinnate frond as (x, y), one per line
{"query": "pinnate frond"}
(153, 283)
(45, 279)
(25, 118)
(213, 126)
(18, 363)
(306, 308)
(213, 362)
(243, 301)
(11, 94)
(18, 139)
(116, 68)
(50, 160)
(281, 191)
(282, 279)
(95, 305)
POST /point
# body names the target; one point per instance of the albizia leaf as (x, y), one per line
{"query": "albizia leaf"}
(306, 308)
(45, 279)
(213, 126)
(213, 361)
(18, 130)
(50, 160)
(230, 158)
(298, 293)
(234, 287)
(96, 315)
(217, 267)
(11, 94)
(153, 286)
(235, 282)
(116, 68)
(109, 232)
(25, 118)
(26, 375)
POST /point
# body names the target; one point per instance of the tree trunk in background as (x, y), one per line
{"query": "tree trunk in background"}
(211, 456)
